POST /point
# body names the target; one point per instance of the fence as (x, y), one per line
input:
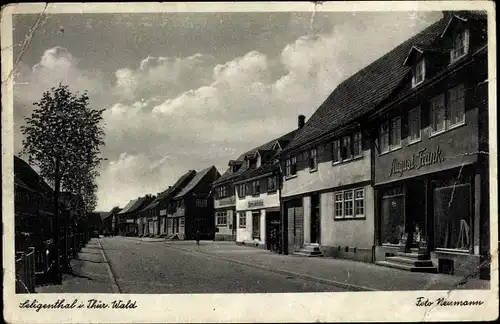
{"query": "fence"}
(25, 271)
(33, 265)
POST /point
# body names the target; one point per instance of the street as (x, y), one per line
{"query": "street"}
(155, 267)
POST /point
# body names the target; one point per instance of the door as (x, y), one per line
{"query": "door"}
(315, 220)
(299, 227)
(256, 225)
(393, 218)
(233, 231)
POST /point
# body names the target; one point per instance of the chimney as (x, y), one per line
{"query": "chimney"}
(302, 121)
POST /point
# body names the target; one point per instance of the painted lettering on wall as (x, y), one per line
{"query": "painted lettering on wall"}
(255, 203)
(227, 201)
(417, 161)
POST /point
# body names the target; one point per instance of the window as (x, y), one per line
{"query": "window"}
(384, 137)
(346, 148)
(271, 184)
(339, 205)
(242, 190)
(359, 202)
(460, 45)
(291, 166)
(437, 114)
(221, 218)
(336, 151)
(349, 203)
(414, 126)
(242, 219)
(456, 106)
(390, 135)
(256, 188)
(313, 159)
(201, 203)
(395, 134)
(357, 145)
(418, 72)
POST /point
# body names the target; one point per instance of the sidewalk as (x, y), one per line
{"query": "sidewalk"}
(351, 275)
(91, 273)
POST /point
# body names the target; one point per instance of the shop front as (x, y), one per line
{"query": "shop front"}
(259, 221)
(225, 219)
(429, 205)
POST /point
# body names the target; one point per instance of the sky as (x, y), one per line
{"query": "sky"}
(185, 91)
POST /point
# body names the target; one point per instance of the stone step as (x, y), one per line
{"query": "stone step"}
(413, 255)
(410, 261)
(308, 254)
(310, 248)
(406, 267)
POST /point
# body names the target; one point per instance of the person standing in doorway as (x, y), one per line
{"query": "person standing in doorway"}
(197, 237)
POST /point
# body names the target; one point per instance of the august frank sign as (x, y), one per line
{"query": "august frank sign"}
(422, 158)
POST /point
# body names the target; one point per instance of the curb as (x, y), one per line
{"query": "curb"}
(351, 287)
(114, 285)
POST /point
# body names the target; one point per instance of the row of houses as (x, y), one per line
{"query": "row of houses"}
(392, 168)
(181, 211)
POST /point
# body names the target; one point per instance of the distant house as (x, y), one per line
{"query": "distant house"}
(191, 210)
(129, 216)
(110, 223)
(153, 218)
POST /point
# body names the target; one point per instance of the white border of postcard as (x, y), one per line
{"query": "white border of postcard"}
(290, 307)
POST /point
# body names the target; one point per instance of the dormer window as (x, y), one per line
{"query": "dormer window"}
(460, 45)
(418, 73)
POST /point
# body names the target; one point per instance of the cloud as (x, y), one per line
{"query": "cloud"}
(170, 114)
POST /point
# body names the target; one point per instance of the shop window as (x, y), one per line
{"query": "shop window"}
(242, 220)
(460, 45)
(452, 217)
(393, 216)
(313, 159)
(255, 225)
(221, 218)
(200, 203)
(414, 125)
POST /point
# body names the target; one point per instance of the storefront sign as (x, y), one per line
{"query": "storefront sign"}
(417, 161)
(227, 201)
(255, 203)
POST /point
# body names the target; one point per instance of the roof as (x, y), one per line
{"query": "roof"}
(229, 175)
(364, 90)
(139, 203)
(171, 190)
(103, 215)
(194, 181)
(263, 169)
(128, 206)
(26, 176)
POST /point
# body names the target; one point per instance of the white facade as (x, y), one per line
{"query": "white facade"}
(344, 236)
(258, 206)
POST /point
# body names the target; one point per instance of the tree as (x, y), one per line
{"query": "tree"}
(63, 138)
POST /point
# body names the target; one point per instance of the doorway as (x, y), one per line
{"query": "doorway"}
(315, 219)
(273, 231)
(233, 224)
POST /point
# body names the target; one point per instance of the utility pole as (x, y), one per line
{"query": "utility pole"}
(56, 230)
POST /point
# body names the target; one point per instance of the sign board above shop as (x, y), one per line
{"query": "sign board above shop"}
(255, 203)
(429, 156)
